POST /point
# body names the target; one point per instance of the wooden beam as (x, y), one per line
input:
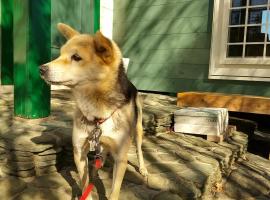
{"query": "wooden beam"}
(239, 103)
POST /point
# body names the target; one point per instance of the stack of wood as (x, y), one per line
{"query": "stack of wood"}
(212, 122)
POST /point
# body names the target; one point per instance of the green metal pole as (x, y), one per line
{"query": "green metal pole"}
(6, 42)
(32, 40)
(96, 15)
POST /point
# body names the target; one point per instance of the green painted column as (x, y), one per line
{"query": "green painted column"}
(32, 40)
(6, 42)
(96, 15)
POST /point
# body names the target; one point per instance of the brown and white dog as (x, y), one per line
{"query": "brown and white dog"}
(92, 66)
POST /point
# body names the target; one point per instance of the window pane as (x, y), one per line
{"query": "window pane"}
(255, 15)
(238, 17)
(235, 51)
(236, 34)
(239, 3)
(254, 34)
(268, 37)
(268, 50)
(254, 50)
(257, 2)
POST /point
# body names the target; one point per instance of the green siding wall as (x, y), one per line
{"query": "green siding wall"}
(168, 43)
(76, 13)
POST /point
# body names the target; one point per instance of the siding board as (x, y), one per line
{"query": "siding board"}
(170, 57)
(184, 84)
(170, 11)
(175, 41)
(174, 71)
(68, 12)
(180, 25)
(142, 3)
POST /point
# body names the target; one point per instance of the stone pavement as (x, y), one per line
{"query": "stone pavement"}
(36, 160)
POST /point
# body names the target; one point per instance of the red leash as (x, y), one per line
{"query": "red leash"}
(88, 190)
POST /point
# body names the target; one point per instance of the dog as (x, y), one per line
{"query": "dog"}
(92, 67)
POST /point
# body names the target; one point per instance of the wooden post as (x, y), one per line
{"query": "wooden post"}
(32, 40)
(6, 42)
(96, 15)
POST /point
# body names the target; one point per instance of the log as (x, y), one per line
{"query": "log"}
(238, 103)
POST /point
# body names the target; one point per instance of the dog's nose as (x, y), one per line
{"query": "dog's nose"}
(43, 69)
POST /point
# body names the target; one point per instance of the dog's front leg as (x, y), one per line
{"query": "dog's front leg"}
(119, 170)
(81, 161)
(81, 148)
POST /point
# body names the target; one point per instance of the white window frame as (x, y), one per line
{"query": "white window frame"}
(221, 67)
(106, 17)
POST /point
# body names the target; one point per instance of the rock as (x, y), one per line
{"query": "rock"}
(10, 187)
(20, 166)
(52, 181)
(19, 158)
(134, 176)
(44, 158)
(167, 196)
(21, 141)
(19, 173)
(44, 194)
(2, 151)
(41, 164)
(175, 184)
(13, 153)
(40, 171)
(50, 151)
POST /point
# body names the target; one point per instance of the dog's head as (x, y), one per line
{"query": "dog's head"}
(83, 59)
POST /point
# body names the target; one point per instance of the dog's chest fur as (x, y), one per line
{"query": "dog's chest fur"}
(96, 107)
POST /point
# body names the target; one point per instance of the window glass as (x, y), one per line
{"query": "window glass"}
(257, 2)
(268, 50)
(236, 34)
(246, 33)
(254, 50)
(235, 51)
(255, 15)
(238, 16)
(254, 34)
(239, 3)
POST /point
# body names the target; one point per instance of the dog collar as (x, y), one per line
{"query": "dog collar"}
(99, 121)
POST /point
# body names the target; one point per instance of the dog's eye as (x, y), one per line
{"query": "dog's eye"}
(76, 57)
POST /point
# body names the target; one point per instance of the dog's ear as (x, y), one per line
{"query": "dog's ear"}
(103, 47)
(67, 31)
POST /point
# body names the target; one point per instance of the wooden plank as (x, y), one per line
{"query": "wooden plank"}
(6, 38)
(239, 103)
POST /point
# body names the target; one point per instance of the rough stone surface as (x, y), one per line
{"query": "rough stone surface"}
(37, 157)
(10, 187)
(249, 180)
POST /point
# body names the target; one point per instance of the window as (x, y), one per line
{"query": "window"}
(240, 48)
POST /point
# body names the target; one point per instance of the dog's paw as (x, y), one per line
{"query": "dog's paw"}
(143, 171)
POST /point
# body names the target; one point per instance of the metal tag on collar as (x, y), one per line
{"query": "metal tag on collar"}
(97, 132)
(92, 144)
